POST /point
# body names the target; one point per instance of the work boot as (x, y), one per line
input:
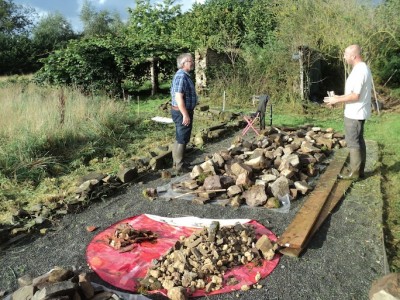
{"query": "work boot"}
(355, 164)
(178, 154)
(174, 153)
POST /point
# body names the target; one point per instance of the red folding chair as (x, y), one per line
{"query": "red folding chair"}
(250, 123)
(259, 115)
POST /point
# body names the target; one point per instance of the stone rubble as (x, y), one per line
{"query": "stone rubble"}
(201, 260)
(125, 237)
(280, 162)
(59, 283)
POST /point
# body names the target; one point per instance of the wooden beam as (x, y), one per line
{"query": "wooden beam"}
(299, 230)
(335, 196)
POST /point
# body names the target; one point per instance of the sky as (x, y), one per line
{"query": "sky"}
(70, 9)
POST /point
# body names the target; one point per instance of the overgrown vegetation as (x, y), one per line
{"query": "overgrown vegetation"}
(50, 136)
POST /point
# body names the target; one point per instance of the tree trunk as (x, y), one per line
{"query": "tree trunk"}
(154, 76)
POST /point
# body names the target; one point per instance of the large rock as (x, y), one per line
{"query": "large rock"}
(240, 168)
(57, 274)
(258, 163)
(208, 167)
(127, 174)
(255, 196)
(227, 181)
(234, 190)
(218, 160)
(243, 180)
(212, 183)
(58, 289)
(280, 187)
(386, 288)
(24, 293)
(302, 186)
(307, 147)
(177, 293)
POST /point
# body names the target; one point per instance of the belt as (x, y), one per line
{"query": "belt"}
(177, 108)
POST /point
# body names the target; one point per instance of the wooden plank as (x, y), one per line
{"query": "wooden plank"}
(299, 229)
(335, 196)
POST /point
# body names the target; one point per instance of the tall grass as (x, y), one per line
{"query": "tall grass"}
(49, 137)
(37, 123)
(42, 132)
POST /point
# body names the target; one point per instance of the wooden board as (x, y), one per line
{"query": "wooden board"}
(298, 231)
(335, 196)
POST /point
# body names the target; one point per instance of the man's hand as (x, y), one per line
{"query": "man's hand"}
(331, 101)
(186, 120)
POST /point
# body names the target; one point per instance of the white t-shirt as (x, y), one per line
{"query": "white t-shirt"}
(359, 82)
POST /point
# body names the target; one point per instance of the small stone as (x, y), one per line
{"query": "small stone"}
(177, 293)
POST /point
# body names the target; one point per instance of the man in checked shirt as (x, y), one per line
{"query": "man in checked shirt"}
(184, 100)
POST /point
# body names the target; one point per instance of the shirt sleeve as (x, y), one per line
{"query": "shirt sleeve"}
(178, 84)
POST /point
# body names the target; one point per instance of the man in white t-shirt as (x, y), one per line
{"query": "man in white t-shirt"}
(357, 99)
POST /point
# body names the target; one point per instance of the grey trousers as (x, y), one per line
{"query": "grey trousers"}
(354, 133)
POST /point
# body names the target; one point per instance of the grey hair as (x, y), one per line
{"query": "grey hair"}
(182, 59)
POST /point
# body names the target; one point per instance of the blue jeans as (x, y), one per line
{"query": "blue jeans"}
(182, 132)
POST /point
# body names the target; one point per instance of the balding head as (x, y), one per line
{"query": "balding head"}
(352, 54)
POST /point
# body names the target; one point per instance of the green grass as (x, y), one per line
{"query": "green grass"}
(384, 129)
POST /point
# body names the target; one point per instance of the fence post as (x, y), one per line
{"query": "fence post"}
(223, 101)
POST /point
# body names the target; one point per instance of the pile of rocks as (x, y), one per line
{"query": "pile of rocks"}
(281, 161)
(201, 260)
(125, 237)
(59, 283)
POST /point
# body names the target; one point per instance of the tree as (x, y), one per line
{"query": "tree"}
(15, 54)
(52, 32)
(98, 23)
(89, 64)
(216, 24)
(259, 23)
(15, 45)
(384, 43)
(14, 18)
(151, 27)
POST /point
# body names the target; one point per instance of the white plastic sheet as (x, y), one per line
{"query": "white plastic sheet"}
(168, 193)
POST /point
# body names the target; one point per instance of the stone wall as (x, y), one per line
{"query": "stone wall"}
(204, 58)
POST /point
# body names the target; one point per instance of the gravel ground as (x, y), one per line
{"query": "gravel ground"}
(342, 260)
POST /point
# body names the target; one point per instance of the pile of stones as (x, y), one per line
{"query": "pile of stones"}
(281, 161)
(201, 260)
(60, 283)
(125, 237)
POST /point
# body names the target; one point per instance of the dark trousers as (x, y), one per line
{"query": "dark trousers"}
(182, 132)
(354, 131)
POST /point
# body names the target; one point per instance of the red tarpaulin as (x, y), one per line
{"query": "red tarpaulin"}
(125, 270)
